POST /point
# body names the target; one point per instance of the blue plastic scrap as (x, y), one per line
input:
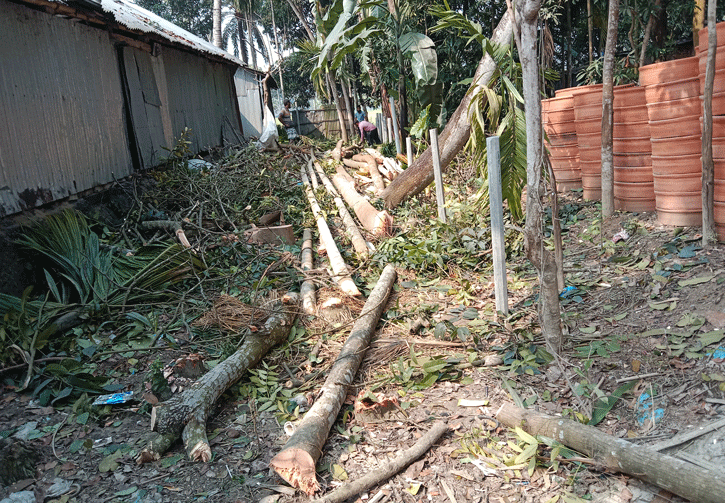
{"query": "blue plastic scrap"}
(113, 398)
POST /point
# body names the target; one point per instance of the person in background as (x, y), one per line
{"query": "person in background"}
(360, 115)
(285, 117)
(368, 132)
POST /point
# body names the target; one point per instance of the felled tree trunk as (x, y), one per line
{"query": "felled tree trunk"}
(358, 241)
(189, 410)
(307, 290)
(691, 482)
(377, 222)
(372, 167)
(339, 267)
(454, 136)
(296, 462)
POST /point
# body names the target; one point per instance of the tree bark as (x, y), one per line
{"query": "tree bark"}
(336, 98)
(691, 482)
(387, 470)
(358, 241)
(193, 406)
(453, 137)
(296, 462)
(339, 268)
(608, 111)
(698, 21)
(216, 14)
(377, 222)
(541, 258)
(708, 165)
(590, 31)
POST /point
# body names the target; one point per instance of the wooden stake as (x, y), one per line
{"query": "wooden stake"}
(498, 243)
(438, 175)
(307, 290)
(296, 462)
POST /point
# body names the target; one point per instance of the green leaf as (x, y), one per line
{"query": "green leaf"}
(338, 472)
(526, 437)
(695, 281)
(712, 337)
(424, 61)
(171, 460)
(82, 418)
(127, 492)
(110, 462)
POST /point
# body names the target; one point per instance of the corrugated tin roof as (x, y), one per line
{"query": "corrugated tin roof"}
(137, 18)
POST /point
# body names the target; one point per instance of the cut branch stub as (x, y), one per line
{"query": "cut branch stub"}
(296, 462)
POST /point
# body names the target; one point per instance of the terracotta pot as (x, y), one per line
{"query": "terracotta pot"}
(718, 85)
(560, 128)
(590, 154)
(632, 145)
(558, 104)
(634, 196)
(628, 95)
(675, 127)
(719, 60)
(634, 161)
(626, 115)
(564, 139)
(683, 164)
(565, 162)
(718, 102)
(719, 191)
(590, 140)
(589, 126)
(668, 71)
(559, 116)
(568, 92)
(592, 187)
(691, 214)
(702, 37)
(567, 179)
(588, 112)
(633, 174)
(673, 90)
(683, 145)
(587, 95)
(631, 130)
(718, 149)
(664, 110)
(679, 182)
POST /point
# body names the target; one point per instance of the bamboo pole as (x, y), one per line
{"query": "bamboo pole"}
(339, 268)
(296, 462)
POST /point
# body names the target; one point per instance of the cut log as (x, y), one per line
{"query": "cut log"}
(371, 167)
(296, 462)
(679, 477)
(339, 268)
(337, 151)
(386, 470)
(358, 241)
(307, 290)
(377, 222)
(311, 174)
(168, 225)
(360, 166)
(190, 409)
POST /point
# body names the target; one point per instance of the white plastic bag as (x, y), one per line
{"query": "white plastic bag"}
(269, 135)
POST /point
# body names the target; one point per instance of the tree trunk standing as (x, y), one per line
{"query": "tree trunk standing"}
(302, 20)
(659, 30)
(279, 53)
(539, 255)
(698, 22)
(590, 31)
(347, 99)
(250, 40)
(569, 34)
(647, 35)
(454, 136)
(334, 95)
(608, 111)
(708, 165)
(216, 14)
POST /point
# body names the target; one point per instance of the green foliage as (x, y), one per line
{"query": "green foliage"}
(192, 15)
(623, 72)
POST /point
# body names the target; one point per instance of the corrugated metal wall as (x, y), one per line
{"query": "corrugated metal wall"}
(201, 97)
(250, 102)
(61, 109)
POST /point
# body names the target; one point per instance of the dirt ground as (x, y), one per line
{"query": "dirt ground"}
(650, 305)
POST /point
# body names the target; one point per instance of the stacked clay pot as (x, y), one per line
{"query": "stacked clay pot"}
(558, 120)
(633, 181)
(672, 90)
(588, 114)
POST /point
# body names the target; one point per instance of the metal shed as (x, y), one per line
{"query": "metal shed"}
(93, 90)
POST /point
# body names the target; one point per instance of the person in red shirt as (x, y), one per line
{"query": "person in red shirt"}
(368, 132)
